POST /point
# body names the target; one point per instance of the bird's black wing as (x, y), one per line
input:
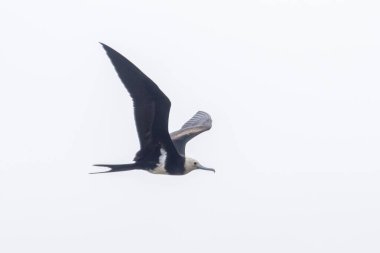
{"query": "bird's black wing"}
(199, 123)
(151, 108)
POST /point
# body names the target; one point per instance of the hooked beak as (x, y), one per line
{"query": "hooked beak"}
(204, 168)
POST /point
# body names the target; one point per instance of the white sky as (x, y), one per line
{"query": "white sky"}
(293, 89)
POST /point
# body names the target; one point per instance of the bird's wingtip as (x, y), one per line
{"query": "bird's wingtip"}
(103, 45)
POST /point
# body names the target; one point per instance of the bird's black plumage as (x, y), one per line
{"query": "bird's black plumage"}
(151, 110)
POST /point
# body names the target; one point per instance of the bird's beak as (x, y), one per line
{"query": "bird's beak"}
(204, 168)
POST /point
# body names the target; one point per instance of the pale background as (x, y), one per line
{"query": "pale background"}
(294, 91)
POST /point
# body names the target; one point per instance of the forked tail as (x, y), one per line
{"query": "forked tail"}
(117, 167)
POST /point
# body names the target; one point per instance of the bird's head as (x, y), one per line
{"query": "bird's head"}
(192, 164)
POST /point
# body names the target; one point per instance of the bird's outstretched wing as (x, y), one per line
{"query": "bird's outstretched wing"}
(151, 108)
(199, 123)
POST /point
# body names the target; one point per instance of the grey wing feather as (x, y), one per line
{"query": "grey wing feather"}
(199, 123)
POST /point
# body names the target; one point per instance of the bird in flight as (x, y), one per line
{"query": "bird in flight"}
(160, 152)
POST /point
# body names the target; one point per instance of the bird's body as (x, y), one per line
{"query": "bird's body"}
(160, 152)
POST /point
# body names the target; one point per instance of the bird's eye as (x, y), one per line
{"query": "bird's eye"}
(195, 163)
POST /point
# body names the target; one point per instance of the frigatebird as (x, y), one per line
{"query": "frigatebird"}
(160, 152)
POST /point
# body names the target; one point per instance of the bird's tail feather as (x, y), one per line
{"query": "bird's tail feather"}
(116, 167)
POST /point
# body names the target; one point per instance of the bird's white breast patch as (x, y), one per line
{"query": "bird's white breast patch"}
(160, 169)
